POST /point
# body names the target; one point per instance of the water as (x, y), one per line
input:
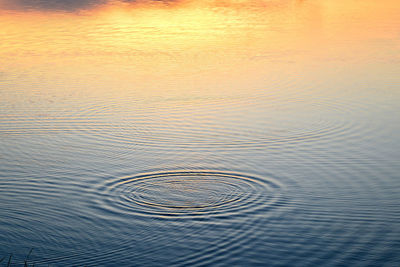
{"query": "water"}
(233, 133)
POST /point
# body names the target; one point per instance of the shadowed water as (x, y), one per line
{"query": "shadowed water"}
(200, 133)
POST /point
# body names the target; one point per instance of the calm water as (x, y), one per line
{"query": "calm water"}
(194, 133)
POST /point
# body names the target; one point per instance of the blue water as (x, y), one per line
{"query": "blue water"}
(298, 166)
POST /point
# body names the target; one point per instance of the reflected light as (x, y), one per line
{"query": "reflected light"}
(192, 40)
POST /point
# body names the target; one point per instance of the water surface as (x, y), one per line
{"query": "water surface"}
(222, 133)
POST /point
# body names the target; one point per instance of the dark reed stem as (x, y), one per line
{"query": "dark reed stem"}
(27, 257)
(9, 260)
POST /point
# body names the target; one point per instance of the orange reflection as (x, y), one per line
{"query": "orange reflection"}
(193, 40)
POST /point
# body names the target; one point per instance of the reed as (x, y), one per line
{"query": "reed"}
(9, 260)
(26, 264)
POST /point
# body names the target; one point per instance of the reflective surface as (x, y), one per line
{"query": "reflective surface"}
(229, 133)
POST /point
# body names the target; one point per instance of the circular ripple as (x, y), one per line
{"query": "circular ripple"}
(189, 193)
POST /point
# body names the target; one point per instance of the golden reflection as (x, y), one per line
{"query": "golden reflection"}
(192, 40)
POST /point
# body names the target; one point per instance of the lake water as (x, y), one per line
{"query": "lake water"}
(200, 133)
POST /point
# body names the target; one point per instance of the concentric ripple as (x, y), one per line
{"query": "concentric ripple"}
(189, 193)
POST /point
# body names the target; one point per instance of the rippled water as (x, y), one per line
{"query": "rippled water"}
(195, 133)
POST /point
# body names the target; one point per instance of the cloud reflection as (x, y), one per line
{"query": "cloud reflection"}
(67, 5)
(62, 5)
(77, 5)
